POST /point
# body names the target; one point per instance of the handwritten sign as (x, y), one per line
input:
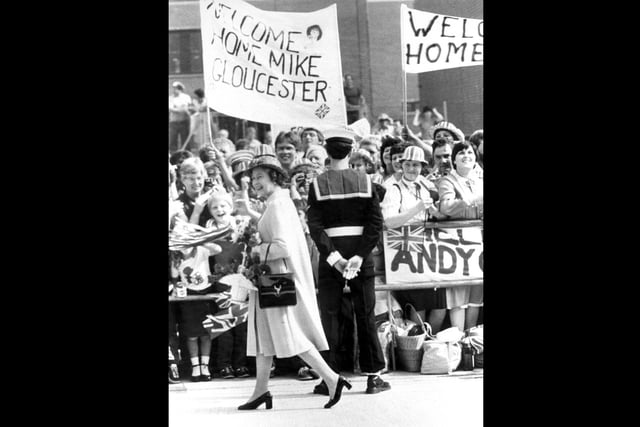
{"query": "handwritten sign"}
(272, 67)
(436, 42)
(433, 252)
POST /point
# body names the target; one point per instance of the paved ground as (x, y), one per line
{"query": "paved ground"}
(414, 400)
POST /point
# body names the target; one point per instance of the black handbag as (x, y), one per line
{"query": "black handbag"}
(277, 289)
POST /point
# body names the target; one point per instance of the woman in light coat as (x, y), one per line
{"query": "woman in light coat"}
(292, 330)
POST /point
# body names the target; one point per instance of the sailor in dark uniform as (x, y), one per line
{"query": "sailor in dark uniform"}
(345, 223)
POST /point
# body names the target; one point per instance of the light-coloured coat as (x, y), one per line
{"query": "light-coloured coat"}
(285, 331)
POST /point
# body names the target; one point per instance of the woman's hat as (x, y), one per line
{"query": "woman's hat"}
(178, 85)
(266, 158)
(457, 133)
(414, 153)
(239, 160)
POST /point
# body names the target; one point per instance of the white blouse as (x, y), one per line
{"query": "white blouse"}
(404, 195)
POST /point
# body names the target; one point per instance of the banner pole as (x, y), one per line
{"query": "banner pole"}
(344, 100)
(444, 108)
(209, 124)
(404, 99)
(403, 9)
(186, 141)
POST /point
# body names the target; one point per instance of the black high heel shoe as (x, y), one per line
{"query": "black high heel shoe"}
(342, 382)
(266, 397)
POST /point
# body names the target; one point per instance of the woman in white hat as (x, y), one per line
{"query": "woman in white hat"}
(412, 201)
(419, 205)
(448, 131)
(292, 330)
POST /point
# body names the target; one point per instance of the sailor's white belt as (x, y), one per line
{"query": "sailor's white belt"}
(344, 231)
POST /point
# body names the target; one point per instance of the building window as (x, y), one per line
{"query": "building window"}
(185, 52)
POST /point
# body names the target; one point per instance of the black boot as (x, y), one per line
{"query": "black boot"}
(375, 384)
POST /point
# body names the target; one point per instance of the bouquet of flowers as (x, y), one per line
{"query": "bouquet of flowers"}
(251, 267)
(250, 238)
(237, 245)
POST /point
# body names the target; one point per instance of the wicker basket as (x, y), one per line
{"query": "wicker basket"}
(410, 342)
(414, 342)
(409, 348)
(409, 360)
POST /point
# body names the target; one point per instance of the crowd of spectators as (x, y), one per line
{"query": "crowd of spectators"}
(435, 174)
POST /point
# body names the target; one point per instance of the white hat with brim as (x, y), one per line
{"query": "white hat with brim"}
(415, 154)
(448, 126)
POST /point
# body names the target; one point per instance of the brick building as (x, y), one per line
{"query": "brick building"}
(370, 47)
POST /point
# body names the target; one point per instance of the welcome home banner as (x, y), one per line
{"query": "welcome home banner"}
(431, 41)
(433, 252)
(272, 67)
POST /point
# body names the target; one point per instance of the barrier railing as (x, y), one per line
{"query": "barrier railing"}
(392, 286)
(386, 287)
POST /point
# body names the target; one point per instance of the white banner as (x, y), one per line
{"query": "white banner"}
(272, 67)
(433, 252)
(436, 42)
(277, 128)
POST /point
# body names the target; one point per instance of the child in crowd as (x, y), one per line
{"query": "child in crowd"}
(231, 345)
(193, 268)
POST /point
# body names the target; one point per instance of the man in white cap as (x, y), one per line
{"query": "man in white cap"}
(345, 223)
(179, 119)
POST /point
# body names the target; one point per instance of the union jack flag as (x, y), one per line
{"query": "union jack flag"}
(231, 314)
(406, 238)
(186, 235)
(322, 111)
